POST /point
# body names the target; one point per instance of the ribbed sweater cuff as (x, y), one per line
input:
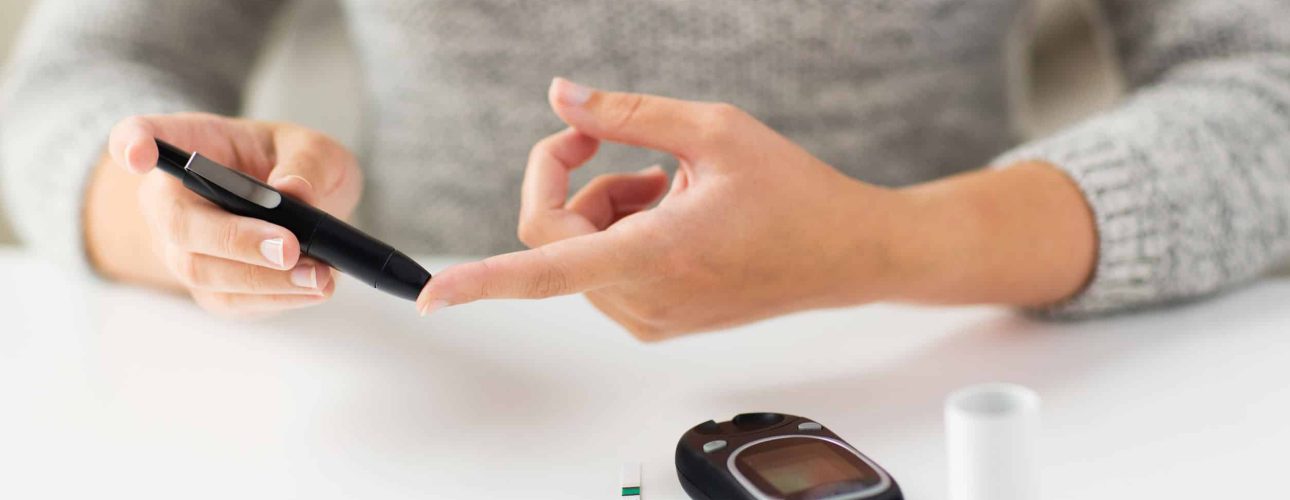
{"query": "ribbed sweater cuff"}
(1129, 241)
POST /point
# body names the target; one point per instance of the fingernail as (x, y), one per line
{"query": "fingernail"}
(433, 306)
(569, 93)
(129, 159)
(651, 169)
(323, 275)
(305, 276)
(128, 162)
(271, 249)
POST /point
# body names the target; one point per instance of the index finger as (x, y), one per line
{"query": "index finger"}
(569, 266)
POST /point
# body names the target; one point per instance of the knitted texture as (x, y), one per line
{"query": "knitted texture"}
(1187, 178)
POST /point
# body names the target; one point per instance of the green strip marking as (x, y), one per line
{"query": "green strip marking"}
(632, 491)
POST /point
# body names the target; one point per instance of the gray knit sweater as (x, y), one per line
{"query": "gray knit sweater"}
(1189, 178)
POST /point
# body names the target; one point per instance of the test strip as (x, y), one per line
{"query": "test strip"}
(630, 480)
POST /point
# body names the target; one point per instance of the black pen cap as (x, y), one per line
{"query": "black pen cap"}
(356, 254)
(402, 277)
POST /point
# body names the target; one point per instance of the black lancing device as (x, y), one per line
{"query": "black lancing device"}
(321, 236)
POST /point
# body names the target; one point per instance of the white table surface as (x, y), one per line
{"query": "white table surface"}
(113, 391)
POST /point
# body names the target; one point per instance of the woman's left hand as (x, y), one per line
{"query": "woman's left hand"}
(751, 227)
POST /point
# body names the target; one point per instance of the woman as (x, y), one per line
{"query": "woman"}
(841, 171)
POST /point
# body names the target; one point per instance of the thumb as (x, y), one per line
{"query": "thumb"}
(132, 143)
(659, 123)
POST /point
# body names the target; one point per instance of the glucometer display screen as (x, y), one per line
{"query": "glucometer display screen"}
(787, 466)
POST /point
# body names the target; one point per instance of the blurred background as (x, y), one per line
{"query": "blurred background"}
(309, 70)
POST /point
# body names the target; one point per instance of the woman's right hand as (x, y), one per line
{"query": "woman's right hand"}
(231, 265)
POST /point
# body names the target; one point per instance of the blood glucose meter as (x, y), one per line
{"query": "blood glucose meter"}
(765, 456)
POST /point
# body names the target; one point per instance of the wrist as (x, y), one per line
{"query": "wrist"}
(871, 255)
(1021, 235)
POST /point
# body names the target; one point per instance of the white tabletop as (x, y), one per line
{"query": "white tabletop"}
(109, 389)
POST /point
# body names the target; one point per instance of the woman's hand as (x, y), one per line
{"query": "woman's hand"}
(230, 264)
(753, 226)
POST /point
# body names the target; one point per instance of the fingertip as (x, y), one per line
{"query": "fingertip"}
(551, 92)
(569, 99)
(290, 249)
(131, 144)
(427, 294)
(433, 306)
(141, 156)
(441, 291)
(323, 273)
(583, 139)
(654, 170)
(329, 289)
(563, 92)
(679, 182)
(423, 297)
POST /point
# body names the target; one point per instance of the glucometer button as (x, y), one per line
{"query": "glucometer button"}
(809, 426)
(708, 427)
(756, 421)
(712, 446)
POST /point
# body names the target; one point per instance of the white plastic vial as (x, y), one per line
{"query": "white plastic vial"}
(991, 432)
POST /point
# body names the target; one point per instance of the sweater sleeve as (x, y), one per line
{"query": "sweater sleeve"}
(1189, 178)
(82, 65)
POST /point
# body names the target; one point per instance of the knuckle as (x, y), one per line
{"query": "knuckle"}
(527, 231)
(188, 270)
(205, 301)
(200, 115)
(542, 147)
(252, 278)
(134, 121)
(325, 144)
(671, 260)
(316, 143)
(603, 181)
(220, 304)
(726, 113)
(548, 283)
(649, 313)
(718, 121)
(311, 138)
(483, 287)
(227, 238)
(175, 224)
(644, 332)
(130, 122)
(624, 110)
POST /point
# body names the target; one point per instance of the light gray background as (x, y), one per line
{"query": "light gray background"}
(1073, 72)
